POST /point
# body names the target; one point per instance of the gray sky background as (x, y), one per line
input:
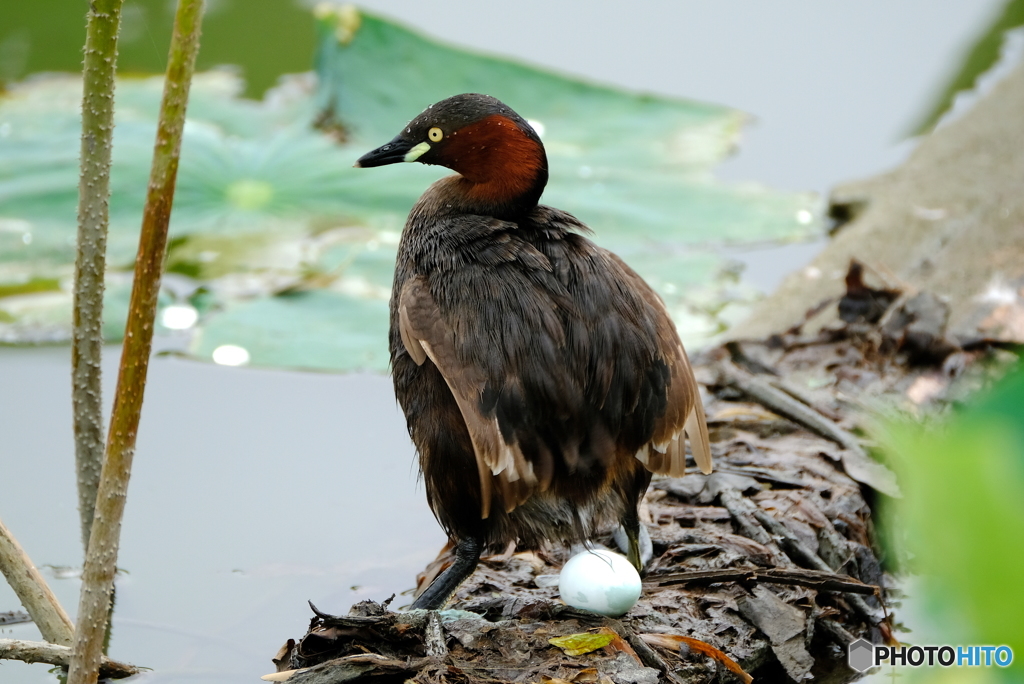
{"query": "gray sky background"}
(834, 85)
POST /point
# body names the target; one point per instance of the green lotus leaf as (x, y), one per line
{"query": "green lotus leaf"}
(333, 325)
(287, 251)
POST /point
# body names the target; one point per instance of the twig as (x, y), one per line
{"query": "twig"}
(756, 524)
(790, 545)
(14, 617)
(385, 618)
(33, 591)
(816, 579)
(857, 463)
(837, 632)
(40, 652)
(90, 263)
(647, 655)
(785, 405)
(98, 575)
(798, 551)
(677, 642)
(763, 474)
(742, 512)
(801, 396)
(361, 666)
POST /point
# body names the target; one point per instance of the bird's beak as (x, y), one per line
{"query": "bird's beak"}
(398, 150)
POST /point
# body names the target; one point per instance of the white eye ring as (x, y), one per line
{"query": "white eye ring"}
(435, 134)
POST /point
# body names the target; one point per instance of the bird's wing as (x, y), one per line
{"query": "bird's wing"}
(562, 360)
(681, 416)
(426, 334)
(684, 413)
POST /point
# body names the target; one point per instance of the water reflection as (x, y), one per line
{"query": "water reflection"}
(230, 355)
(252, 492)
(179, 317)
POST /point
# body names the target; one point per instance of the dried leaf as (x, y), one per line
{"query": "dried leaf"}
(673, 642)
(619, 644)
(589, 674)
(785, 626)
(742, 411)
(861, 302)
(926, 387)
(866, 470)
(1006, 322)
(578, 644)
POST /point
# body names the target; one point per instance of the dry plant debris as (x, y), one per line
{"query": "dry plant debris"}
(766, 568)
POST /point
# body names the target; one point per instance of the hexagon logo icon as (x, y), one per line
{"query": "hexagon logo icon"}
(860, 655)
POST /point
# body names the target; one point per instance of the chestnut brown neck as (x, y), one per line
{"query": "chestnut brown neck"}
(503, 168)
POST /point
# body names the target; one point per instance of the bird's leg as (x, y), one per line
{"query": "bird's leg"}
(634, 540)
(467, 554)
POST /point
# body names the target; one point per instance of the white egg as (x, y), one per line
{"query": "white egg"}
(600, 581)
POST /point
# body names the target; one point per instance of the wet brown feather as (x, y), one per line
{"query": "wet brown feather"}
(503, 466)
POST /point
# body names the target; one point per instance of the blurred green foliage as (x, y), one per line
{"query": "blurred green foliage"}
(979, 59)
(962, 520)
(265, 38)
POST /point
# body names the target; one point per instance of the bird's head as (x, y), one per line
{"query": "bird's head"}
(494, 149)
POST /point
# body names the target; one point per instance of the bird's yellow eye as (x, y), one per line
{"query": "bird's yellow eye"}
(435, 134)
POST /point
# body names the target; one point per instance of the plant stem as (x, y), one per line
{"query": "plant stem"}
(39, 652)
(90, 264)
(100, 561)
(33, 592)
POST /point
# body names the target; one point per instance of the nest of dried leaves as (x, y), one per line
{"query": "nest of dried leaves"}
(767, 568)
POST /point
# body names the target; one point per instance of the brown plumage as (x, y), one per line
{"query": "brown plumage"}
(541, 377)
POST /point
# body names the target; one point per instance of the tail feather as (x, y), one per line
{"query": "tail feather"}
(700, 441)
